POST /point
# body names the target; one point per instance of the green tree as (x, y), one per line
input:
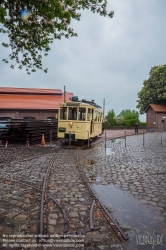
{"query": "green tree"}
(154, 89)
(128, 117)
(128, 113)
(30, 39)
(110, 118)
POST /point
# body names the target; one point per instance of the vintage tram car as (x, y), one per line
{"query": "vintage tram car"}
(79, 120)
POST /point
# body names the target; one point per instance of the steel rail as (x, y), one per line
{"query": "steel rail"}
(66, 221)
(42, 202)
(100, 203)
(91, 215)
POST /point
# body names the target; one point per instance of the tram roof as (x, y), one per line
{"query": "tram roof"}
(78, 103)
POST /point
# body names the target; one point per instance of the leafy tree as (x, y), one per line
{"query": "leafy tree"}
(128, 117)
(30, 38)
(110, 118)
(119, 120)
(129, 114)
(154, 89)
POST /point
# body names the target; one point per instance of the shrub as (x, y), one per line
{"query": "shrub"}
(142, 123)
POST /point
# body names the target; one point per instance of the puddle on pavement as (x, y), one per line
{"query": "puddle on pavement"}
(116, 140)
(89, 168)
(88, 162)
(135, 218)
(98, 179)
(108, 151)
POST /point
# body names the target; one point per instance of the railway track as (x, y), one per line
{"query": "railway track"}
(68, 202)
(106, 213)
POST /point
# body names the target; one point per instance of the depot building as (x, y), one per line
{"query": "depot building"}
(31, 103)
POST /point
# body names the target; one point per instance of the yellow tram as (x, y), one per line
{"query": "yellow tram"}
(79, 120)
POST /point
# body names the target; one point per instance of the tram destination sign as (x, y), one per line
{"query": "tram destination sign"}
(62, 129)
(75, 104)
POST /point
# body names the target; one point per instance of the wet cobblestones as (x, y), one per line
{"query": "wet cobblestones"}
(139, 171)
(135, 169)
(20, 203)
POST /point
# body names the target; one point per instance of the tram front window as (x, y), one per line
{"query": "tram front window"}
(72, 113)
(82, 114)
(63, 112)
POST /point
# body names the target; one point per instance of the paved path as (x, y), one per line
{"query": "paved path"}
(137, 174)
(110, 134)
(130, 180)
(20, 204)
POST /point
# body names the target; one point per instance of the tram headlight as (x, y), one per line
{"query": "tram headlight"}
(71, 124)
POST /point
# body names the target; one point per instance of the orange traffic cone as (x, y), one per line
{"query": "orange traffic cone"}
(6, 144)
(43, 141)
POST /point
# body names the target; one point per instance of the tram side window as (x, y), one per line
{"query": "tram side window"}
(96, 115)
(63, 113)
(100, 117)
(89, 115)
(82, 114)
(72, 113)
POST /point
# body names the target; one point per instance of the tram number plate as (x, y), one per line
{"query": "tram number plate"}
(72, 104)
(62, 129)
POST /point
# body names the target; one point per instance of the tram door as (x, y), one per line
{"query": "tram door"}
(91, 125)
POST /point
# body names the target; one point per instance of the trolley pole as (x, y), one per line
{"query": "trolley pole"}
(125, 138)
(105, 140)
(64, 95)
(88, 138)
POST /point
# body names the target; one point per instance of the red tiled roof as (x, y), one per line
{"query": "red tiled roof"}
(157, 107)
(23, 101)
(8, 90)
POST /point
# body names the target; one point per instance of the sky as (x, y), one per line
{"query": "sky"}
(110, 58)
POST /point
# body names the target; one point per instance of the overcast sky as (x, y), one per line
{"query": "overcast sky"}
(109, 59)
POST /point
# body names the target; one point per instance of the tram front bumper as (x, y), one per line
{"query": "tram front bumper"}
(69, 136)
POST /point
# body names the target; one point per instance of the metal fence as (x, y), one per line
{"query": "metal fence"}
(19, 130)
(123, 134)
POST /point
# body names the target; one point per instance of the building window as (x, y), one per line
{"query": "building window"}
(29, 118)
(52, 118)
(8, 119)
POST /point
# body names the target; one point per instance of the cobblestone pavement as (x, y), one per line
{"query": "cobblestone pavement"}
(111, 133)
(20, 204)
(139, 173)
(130, 180)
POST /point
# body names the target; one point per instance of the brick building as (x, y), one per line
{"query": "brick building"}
(30, 103)
(156, 117)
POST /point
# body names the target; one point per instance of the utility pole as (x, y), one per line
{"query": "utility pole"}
(103, 107)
